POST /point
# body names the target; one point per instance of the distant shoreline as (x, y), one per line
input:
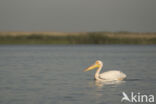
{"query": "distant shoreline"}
(77, 38)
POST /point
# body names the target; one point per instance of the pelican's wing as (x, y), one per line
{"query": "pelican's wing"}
(112, 75)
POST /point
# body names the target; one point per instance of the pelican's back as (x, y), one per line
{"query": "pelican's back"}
(112, 75)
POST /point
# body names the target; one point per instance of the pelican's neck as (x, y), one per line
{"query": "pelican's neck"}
(98, 72)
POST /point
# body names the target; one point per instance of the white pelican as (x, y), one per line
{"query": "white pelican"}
(112, 75)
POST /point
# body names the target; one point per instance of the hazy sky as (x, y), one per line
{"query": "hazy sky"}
(78, 15)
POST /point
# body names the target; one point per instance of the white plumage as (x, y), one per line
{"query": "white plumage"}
(112, 75)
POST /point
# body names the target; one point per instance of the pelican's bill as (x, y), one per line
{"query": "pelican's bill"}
(91, 67)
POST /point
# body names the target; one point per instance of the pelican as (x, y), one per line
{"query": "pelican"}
(112, 75)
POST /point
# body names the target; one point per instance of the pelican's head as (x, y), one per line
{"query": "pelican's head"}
(97, 64)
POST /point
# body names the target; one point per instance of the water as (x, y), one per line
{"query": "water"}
(51, 74)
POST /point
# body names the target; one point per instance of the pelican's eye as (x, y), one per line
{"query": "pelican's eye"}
(97, 63)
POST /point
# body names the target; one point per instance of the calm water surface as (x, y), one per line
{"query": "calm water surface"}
(51, 74)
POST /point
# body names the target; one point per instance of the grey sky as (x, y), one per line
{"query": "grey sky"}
(78, 15)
